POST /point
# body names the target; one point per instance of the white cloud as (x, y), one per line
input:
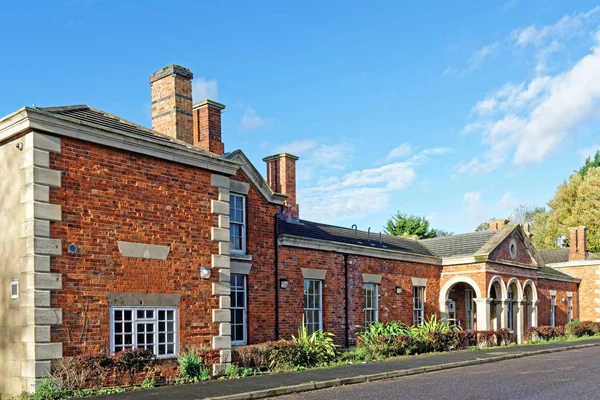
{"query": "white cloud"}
(251, 121)
(473, 208)
(346, 204)
(589, 151)
(296, 147)
(507, 201)
(531, 121)
(568, 26)
(437, 151)
(479, 56)
(203, 89)
(399, 152)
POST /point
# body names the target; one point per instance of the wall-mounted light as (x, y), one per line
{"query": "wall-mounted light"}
(14, 289)
(398, 290)
(204, 272)
(20, 146)
(283, 283)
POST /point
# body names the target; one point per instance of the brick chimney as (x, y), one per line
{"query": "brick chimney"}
(281, 177)
(207, 126)
(577, 243)
(172, 102)
(497, 224)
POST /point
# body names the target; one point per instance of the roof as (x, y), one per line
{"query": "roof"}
(553, 272)
(315, 230)
(554, 256)
(86, 113)
(465, 244)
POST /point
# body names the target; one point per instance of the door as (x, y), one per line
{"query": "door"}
(452, 312)
(468, 309)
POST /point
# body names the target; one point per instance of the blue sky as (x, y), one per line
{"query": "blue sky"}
(455, 111)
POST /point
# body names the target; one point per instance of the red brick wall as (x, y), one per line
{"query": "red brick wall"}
(502, 252)
(544, 287)
(109, 195)
(392, 307)
(260, 236)
(589, 275)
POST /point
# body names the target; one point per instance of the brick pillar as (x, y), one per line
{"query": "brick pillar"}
(281, 177)
(577, 243)
(497, 224)
(172, 102)
(207, 126)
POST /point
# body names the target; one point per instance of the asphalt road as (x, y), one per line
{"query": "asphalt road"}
(571, 374)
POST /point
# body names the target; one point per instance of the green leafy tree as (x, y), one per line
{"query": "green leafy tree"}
(576, 202)
(589, 163)
(484, 226)
(413, 226)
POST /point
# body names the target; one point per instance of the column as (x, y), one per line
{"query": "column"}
(504, 304)
(520, 322)
(482, 307)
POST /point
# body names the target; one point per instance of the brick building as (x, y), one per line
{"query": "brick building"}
(114, 236)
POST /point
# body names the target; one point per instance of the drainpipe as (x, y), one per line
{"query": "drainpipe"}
(276, 244)
(346, 308)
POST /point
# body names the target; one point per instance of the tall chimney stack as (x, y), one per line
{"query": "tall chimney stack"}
(497, 224)
(281, 177)
(577, 243)
(172, 102)
(207, 126)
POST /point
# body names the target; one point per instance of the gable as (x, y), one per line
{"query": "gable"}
(515, 249)
(254, 178)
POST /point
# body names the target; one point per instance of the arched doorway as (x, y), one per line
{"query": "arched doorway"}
(530, 301)
(460, 304)
(497, 292)
(514, 309)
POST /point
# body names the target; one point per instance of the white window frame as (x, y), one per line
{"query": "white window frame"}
(569, 309)
(318, 308)
(244, 309)
(418, 309)
(509, 310)
(552, 310)
(243, 223)
(135, 320)
(470, 322)
(374, 303)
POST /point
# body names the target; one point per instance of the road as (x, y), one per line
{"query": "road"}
(565, 375)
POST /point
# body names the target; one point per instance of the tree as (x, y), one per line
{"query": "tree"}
(524, 214)
(589, 163)
(484, 226)
(576, 202)
(411, 226)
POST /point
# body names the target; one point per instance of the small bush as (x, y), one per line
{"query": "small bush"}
(48, 390)
(577, 329)
(192, 367)
(314, 349)
(503, 337)
(77, 373)
(544, 333)
(131, 362)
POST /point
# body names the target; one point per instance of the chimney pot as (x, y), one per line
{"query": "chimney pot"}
(281, 177)
(171, 89)
(577, 243)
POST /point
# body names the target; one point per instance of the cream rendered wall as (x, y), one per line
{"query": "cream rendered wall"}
(26, 349)
(13, 316)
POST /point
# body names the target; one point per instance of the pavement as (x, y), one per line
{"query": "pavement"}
(269, 385)
(566, 375)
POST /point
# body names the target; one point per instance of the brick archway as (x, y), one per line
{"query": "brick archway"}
(481, 303)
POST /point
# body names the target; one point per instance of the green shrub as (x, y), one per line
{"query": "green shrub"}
(314, 349)
(48, 390)
(191, 367)
(577, 329)
(233, 371)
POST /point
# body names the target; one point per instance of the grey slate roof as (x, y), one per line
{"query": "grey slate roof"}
(315, 230)
(552, 256)
(89, 115)
(465, 244)
(554, 272)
